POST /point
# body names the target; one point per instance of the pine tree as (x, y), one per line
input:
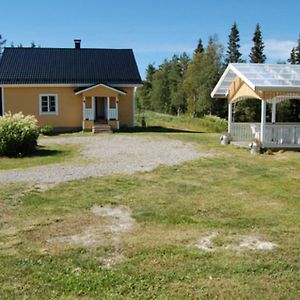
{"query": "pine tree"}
(199, 48)
(297, 52)
(160, 95)
(178, 67)
(292, 58)
(202, 75)
(174, 83)
(2, 44)
(144, 93)
(257, 55)
(33, 45)
(184, 62)
(233, 53)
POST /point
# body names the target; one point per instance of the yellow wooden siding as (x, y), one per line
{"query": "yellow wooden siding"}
(26, 100)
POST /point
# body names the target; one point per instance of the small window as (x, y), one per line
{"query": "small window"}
(48, 104)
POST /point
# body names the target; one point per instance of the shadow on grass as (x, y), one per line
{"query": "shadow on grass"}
(156, 129)
(40, 151)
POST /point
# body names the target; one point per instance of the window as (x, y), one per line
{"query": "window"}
(48, 104)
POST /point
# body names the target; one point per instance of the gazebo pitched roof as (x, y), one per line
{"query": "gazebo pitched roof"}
(259, 77)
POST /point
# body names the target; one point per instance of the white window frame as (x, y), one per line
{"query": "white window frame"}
(56, 104)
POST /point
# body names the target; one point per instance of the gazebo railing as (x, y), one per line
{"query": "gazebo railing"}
(243, 132)
(276, 135)
(283, 134)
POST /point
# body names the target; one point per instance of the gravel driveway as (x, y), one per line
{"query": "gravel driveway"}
(106, 154)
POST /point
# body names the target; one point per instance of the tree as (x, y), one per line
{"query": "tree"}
(292, 58)
(233, 54)
(144, 93)
(178, 67)
(202, 74)
(257, 55)
(2, 44)
(297, 52)
(33, 45)
(199, 48)
(160, 95)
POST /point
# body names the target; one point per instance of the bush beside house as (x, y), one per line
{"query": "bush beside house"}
(18, 134)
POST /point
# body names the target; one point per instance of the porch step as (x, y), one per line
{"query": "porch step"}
(99, 128)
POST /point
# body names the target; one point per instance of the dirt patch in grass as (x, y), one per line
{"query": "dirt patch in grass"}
(206, 243)
(252, 243)
(114, 223)
(241, 243)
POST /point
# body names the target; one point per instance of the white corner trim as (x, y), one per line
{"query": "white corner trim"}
(100, 84)
(2, 97)
(48, 113)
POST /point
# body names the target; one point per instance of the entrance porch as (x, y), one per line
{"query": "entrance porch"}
(100, 105)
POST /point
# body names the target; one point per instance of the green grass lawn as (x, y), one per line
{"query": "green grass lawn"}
(42, 156)
(231, 192)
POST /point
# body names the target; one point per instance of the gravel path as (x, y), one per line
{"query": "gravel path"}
(110, 154)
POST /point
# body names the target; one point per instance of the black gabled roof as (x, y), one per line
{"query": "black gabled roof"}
(67, 65)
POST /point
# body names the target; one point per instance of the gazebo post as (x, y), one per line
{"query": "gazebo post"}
(263, 121)
(273, 112)
(229, 117)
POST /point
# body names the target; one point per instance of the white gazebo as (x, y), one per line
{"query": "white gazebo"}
(270, 83)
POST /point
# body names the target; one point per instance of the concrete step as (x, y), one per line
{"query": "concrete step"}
(99, 128)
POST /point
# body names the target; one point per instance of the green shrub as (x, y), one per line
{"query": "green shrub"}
(47, 130)
(18, 134)
(215, 123)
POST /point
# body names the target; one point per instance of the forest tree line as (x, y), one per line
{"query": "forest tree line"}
(182, 85)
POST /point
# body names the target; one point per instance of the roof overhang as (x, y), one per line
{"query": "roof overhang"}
(117, 85)
(260, 78)
(230, 74)
(85, 89)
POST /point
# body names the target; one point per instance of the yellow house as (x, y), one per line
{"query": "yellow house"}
(70, 88)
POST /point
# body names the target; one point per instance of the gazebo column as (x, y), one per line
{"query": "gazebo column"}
(263, 121)
(273, 112)
(229, 117)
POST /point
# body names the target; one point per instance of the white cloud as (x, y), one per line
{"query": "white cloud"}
(274, 49)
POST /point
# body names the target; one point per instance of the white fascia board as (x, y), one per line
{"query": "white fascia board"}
(63, 85)
(244, 78)
(278, 88)
(213, 93)
(100, 84)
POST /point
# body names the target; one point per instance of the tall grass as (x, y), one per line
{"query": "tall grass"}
(205, 124)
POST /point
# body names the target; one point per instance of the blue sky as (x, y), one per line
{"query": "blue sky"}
(154, 29)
